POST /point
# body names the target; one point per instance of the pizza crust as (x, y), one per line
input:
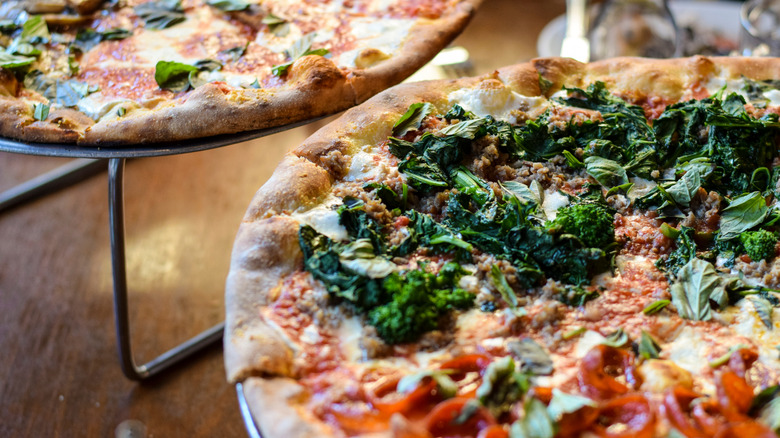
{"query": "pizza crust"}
(253, 278)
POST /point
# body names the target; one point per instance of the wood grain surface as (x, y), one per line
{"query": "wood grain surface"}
(59, 372)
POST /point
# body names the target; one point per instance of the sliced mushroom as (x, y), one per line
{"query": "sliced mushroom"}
(85, 7)
(44, 6)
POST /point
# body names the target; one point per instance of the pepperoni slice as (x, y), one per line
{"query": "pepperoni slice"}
(599, 369)
(442, 421)
(629, 416)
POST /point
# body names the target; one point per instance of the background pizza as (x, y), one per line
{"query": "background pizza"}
(551, 249)
(163, 70)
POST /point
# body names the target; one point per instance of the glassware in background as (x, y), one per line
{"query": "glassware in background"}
(760, 33)
(634, 28)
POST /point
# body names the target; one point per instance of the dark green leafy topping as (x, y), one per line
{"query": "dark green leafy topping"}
(536, 423)
(299, 49)
(14, 62)
(35, 30)
(684, 251)
(277, 25)
(531, 356)
(174, 76)
(62, 92)
(766, 406)
(229, 5)
(40, 111)
(648, 347)
(696, 282)
(759, 245)
(763, 309)
(177, 76)
(655, 307)
(501, 386)
(412, 118)
(400, 305)
(577, 295)
(591, 223)
(161, 14)
(743, 213)
(465, 129)
(419, 299)
(86, 39)
(235, 53)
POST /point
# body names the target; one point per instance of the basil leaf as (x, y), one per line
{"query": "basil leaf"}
(40, 111)
(696, 282)
(235, 53)
(763, 309)
(34, 30)
(535, 424)
(464, 129)
(65, 93)
(412, 118)
(500, 387)
(532, 357)
(607, 172)
(685, 188)
(299, 49)
(121, 111)
(524, 193)
(173, 76)
(655, 307)
(770, 414)
(277, 25)
(86, 39)
(500, 283)
(744, 213)
(648, 347)
(562, 403)
(359, 257)
(447, 388)
(161, 14)
(616, 339)
(13, 62)
(229, 5)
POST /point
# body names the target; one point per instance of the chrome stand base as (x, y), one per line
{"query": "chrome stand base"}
(116, 218)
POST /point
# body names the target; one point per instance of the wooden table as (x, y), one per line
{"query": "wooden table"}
(59, 372)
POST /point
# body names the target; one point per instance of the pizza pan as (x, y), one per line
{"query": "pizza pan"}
(246, 414)
(142, 150)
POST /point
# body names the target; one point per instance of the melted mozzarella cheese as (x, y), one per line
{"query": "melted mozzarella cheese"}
(690, 352)
(324, 219)
(587, 342)
(363, 167)
(385, 35)
(349, 332)
(729, 86)
(748, 324)
(773, 96)
(553, 201)
(498, 102)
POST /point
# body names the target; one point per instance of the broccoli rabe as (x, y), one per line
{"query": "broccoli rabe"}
(759, 245)
(419, 299)
(591, 223)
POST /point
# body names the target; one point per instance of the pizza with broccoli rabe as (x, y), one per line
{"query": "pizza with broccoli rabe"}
(554, 249)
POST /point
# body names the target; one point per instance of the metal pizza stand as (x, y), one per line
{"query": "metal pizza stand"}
(92, 160)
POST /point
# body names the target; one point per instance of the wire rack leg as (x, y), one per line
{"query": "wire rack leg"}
(116, 168)
(59, 178)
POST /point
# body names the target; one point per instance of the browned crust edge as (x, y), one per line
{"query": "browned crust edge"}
(253, 278)
(315, 87)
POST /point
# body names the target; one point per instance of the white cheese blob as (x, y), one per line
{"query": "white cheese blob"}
(324, 219)
(386, 35)
(363, 167)
(553, 200)
(640, 188)
(498, 102)
(589, 340)
(691, 352)
(717, 83)
(349, 332)
(97, 106)
(750, 325)
(773, 96)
